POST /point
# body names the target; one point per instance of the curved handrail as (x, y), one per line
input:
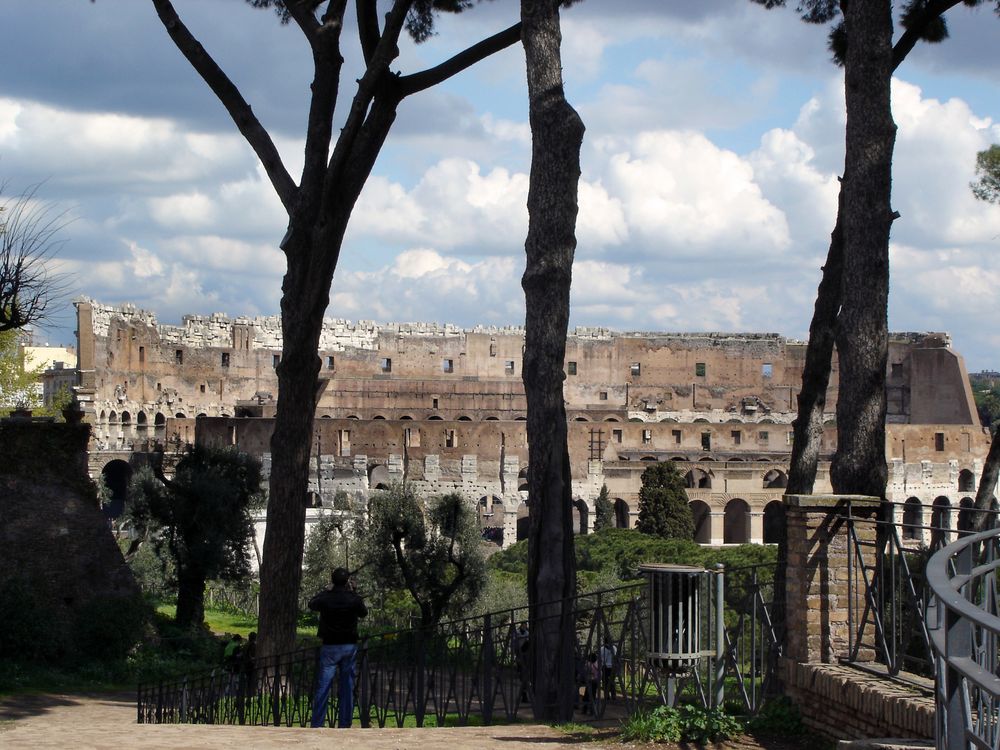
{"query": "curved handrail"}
(965, 636)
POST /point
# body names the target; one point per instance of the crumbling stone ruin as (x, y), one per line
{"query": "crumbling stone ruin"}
(444, 408)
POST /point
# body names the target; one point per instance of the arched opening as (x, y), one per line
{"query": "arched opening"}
(775, 479)
(580, 419)
(622, 514)
(702, 521)
(464, 418)
(940, 521)
(913, 512)
(406, 418)
(648, 458)
(736, 523)
(965, 515)
(490, 511)
(116, 475)
(774, 522)
(126, 419)
(378, 416)
(522, 521)
(966, 481)
(159, 427)
(180, 415)
(611, 419)
(698, 479)
(434, 418)
(378, 477)
(492, 419)
(582, 514)
(112, 418)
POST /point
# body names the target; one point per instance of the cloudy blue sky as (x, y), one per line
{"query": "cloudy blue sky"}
(714, 141)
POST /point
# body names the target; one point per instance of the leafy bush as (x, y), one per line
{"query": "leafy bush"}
(779, 716)
(27, 630)
(110, 627)
(688, 723)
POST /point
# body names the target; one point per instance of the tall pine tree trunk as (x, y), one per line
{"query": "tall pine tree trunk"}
(862, 335)
(808, 425)
(557, 136)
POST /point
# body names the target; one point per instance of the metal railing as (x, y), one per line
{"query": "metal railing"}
(964, 624)
(474, 670)
(887, 591)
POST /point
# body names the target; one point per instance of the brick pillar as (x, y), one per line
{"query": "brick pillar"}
(816, 614)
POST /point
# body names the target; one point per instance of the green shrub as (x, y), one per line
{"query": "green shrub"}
(110, 627)
(28, 631)
(688, 723)
(779, 716)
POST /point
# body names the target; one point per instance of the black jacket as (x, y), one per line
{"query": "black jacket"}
(339, 610)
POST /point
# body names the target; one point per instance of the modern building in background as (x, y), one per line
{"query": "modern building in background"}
(443, 409)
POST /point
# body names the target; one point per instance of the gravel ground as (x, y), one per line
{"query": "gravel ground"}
(106, 721)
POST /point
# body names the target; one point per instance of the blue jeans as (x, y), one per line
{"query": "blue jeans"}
(338, 658)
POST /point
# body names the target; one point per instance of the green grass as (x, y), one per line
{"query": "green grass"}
(222, 622)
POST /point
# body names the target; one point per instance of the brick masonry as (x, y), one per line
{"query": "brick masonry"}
(839, 700)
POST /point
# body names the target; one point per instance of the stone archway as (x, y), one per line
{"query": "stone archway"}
(582, 516)
(702, 516)
(913, 519)
(774, 522)
(623, 515)
(116, 475)
(736, 522)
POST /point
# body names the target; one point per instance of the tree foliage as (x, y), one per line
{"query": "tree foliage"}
(986, 186)
(325, 550)
(663, 504)
(201, 519)
(604, 511)
(433, 552)
(17, 383)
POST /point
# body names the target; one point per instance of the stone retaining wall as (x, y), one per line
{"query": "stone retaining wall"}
(847, 703)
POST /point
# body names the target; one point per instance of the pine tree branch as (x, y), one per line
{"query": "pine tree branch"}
(239, 110)
(905, 44)
(425, 79)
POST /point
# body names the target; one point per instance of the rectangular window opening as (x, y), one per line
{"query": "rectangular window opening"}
(434, 403)
(202, 387)
(706, 441)
(447, 365)
(635, 369)
(699, 369)
(225, 359)
(571, 368)
(508, 367)
(142, 354)
(939, 441)
(676, 434)
(737, 437)
(275, 360)
(329, 363)
(179, 356)
(766, 370)
(450, 439)
(762, 436)
(647, 437)
(616, 435)
(602, 396)
(385, 364)
(345, 442)
(413, 437)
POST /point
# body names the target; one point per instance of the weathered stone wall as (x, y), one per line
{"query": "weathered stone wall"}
(53, 535)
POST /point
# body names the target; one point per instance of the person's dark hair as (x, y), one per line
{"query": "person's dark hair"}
(340, 577)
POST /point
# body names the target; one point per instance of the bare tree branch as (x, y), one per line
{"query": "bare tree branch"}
(28, 240)
(368, 32)
(231, 98)
(411, 84)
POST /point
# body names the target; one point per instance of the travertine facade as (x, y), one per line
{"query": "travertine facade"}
(444, 407)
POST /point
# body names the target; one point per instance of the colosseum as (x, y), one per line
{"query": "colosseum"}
(443, 408)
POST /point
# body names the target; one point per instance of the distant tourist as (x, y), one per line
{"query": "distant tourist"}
(608, 653)
(231, 653)
(339, 609)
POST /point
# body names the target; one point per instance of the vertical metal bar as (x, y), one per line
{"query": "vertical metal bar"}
(720, 635)
(486, 696)
(850, 584)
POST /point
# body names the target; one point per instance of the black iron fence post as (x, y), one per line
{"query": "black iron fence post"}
(365, 688)
(489, 657)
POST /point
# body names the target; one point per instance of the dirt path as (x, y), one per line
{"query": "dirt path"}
(107, 722)
(83, 722)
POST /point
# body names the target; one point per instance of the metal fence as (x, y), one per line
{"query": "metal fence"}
(476, 670)
(964, 624)
(889, 599)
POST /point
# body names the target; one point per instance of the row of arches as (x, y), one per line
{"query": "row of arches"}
(943, 522)
(701, 479)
